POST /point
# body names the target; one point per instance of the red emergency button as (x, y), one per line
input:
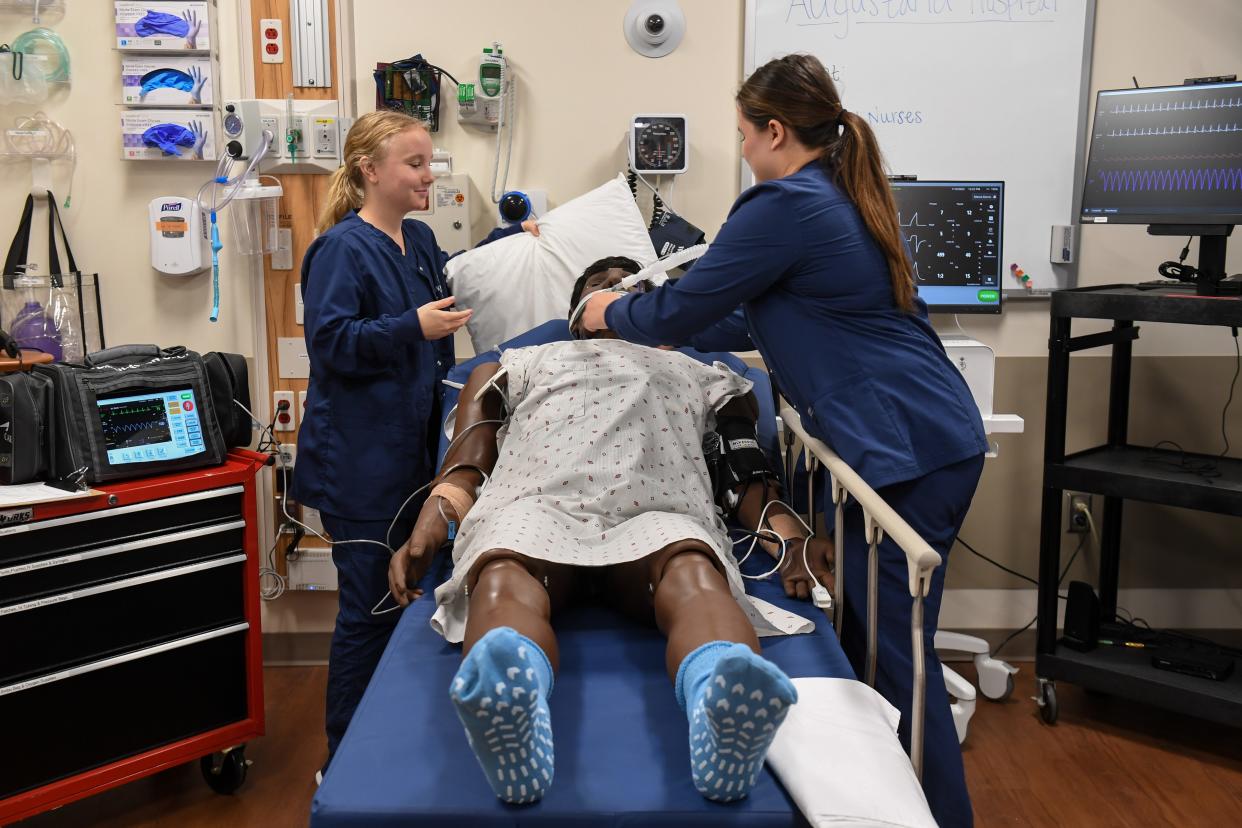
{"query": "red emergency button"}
(187, 406)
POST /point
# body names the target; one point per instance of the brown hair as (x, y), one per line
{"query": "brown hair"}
(796, 91)
(368, 137)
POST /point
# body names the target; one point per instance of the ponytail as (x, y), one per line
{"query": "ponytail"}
(797, 91)
(857, 166)
(368, 137)
(343, 196)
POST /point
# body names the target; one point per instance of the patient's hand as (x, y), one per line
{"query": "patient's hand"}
(794, 577)
(531, 226)
(410, 563)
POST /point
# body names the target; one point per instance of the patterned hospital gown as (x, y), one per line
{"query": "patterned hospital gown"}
(601, 463)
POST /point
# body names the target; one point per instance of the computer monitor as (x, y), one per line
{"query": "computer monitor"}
(953, 231)
(1166, 155)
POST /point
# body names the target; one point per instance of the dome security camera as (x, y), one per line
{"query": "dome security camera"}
(654, 28)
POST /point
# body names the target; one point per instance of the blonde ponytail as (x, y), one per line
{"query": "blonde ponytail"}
(368, 137)
(343, 196)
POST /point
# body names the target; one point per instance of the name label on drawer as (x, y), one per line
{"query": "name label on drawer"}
(11, 518)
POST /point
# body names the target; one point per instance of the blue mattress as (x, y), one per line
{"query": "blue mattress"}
(621, 744)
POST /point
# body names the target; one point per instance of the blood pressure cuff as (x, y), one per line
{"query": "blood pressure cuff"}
(155, 23)
(25, 421)
(734, 458)
(133, 411)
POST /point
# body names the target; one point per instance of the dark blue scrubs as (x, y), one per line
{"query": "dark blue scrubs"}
(368, 439)
(873, 382)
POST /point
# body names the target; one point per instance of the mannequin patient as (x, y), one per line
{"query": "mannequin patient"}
(597, 486)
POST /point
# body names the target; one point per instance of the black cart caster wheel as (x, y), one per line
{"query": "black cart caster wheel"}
(225, 772)
(1048, 710)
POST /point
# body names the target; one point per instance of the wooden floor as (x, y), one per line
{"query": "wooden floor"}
(1106, 763)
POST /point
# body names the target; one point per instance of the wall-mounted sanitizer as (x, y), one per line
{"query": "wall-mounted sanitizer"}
(180, 240)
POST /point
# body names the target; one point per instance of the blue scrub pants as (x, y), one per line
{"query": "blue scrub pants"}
(360, 637)
(935, 506)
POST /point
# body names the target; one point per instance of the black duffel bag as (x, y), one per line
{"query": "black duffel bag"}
(132, 411)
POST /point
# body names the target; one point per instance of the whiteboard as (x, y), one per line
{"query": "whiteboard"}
(960, 90)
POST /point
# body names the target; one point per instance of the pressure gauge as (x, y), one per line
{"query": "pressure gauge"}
(658, 144)
(233, 125)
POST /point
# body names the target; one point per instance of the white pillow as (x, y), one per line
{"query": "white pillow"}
(521, 281)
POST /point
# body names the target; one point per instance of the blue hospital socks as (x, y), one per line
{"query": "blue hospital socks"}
(501, 694)
(735, 701)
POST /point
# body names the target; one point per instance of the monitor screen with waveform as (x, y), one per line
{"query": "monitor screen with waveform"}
(953, 231)
(150, 426)
(1166, 155)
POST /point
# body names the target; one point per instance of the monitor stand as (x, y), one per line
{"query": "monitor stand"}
(1212, 240)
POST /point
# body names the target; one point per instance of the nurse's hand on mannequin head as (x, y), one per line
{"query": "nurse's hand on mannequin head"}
(794, 576)
(531, 226)
(593, 313)
(437, 322)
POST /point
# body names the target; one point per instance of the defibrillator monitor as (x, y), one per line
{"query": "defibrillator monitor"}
(1166, 155)
(953, 232)
(150, 427)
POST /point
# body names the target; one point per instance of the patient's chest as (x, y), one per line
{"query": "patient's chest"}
(607, 420)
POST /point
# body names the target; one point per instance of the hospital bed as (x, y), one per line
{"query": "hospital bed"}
(621, 744)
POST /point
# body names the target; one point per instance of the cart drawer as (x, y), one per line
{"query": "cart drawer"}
(73, 628)
(107, 527)
(69, 722)
(23, 582)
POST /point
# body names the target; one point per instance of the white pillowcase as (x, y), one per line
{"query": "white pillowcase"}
(839, 757)
(520, 281)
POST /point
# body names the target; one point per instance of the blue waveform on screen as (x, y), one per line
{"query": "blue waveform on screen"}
(1216, 178)
(131, 428)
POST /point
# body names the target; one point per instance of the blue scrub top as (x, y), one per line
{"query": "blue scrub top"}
(871, 381)
(369, 435)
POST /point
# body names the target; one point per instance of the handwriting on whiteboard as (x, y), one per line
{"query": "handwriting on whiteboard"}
(842, 16)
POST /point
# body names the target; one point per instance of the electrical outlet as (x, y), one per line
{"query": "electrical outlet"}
(301, 406)
(282, 408)
(272, 40)
(1077, 523)
(287, 456)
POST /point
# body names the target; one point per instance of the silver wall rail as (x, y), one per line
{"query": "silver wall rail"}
(878, 519)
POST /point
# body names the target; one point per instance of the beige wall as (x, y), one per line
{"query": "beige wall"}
(578, 84)
(107, 221)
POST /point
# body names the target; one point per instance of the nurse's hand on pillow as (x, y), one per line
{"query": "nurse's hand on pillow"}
(437, 322)
(794, 577)
(593, 313)
(531, 226)
(191, 35)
